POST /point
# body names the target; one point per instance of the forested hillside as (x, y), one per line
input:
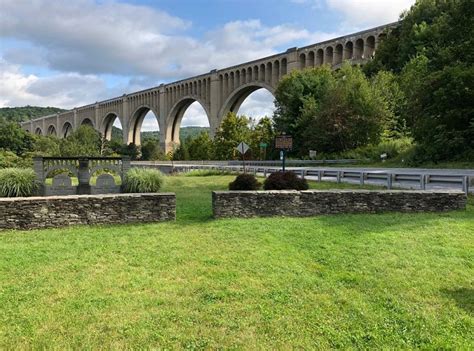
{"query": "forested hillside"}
(184, 133)
(21, 114)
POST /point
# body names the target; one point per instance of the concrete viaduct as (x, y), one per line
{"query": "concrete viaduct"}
(218, 91)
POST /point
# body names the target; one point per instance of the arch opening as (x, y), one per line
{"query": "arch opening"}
(52, 130)
(188, 118)
(112, 127)
(67, 129)
(369, 47)
(338, 54)
(144, 124)
(87, 122)
(348, 50)
(329, 55)
(38, 131)
(255, 101)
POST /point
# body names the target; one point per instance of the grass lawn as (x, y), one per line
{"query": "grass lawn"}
(347, 281)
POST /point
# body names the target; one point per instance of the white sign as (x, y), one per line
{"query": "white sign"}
(242, 148)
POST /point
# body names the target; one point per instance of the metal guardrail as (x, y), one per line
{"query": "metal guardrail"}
(386, 178)
(276, 163)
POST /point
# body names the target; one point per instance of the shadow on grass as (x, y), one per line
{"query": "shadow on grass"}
(464, 298)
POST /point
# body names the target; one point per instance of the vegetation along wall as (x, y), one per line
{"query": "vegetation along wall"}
(58, 211)
(317, 202)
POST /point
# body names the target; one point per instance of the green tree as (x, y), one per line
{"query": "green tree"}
(263, 132)
(293, 93)
(234, 129)
(200, 147)
(151, 150)
(14, 138)
(84, 141)
(330, 111)
(434, 50)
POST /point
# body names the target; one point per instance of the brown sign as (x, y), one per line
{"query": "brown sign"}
(284, 142)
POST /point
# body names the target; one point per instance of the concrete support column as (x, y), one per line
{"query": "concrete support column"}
(97, 117)
(126, 120)
(74, 127)
(292, 60)
(215, 104)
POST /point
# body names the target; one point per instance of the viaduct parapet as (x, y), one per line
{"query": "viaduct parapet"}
(218, 92)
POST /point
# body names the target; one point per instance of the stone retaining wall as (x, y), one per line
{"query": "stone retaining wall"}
(317, 202)
(59, 211)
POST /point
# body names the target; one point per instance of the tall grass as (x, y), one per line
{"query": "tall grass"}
(17, 182)
(143, 180)
(206, 173)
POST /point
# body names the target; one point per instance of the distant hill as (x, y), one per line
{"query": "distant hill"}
(184, 133)
(21, 114)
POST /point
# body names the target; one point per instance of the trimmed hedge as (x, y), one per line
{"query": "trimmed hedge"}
(285, 181)
(245, 181)
(17, 182)
(143, 180)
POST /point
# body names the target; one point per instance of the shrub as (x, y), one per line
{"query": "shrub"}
(143, 180)
(245, 181)
(17, 182)
(285, 181)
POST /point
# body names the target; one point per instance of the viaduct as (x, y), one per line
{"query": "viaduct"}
(218, 92)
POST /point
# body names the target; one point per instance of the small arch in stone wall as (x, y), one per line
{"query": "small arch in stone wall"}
(349, 51)
(302, 61)
(369, 47)
(67, 129)
(359, 49)
(87, 122)
(328, 59)
(338, 54)
(38, 131)
(319, 57)
(52, 130)
(311, 59)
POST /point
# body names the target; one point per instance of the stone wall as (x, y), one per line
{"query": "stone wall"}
(59, 211)
(316, 202)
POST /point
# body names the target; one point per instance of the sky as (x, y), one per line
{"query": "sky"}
(71, 53)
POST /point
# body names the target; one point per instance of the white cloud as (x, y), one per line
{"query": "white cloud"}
(63, 90)
(370, 12)
(122, 39)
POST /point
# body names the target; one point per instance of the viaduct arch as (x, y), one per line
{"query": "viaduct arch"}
(218, 91)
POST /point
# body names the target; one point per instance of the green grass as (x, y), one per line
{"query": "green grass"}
(348, 281)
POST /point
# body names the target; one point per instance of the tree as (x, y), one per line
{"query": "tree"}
(434, 51)
(263, 132)
(200, 147)
(84, 141)
(234, 129)
(14, 138)
(151, 150)
(330, 111)
(292, 93)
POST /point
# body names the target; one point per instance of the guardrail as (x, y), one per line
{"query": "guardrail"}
(249, 163)
(383, 178)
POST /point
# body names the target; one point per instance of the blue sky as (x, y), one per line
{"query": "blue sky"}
(73, 52)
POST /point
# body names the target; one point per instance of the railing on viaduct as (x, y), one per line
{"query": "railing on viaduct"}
(218, 91)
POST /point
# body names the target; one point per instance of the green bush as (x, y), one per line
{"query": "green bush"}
(245, 181)
(17, 182)
(143, 180)
(285, 181)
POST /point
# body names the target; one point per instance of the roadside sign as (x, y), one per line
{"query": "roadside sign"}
(263, 145)
(243, 148)
(284, 142)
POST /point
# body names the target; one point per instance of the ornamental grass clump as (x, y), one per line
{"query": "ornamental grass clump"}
(143, 180)
(17, 182)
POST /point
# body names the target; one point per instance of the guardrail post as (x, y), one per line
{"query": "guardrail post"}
(338, 176)
(361, 178)
(422, 182)
(389, 181)
(320, 175)
(264, 173)
(465, 184)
